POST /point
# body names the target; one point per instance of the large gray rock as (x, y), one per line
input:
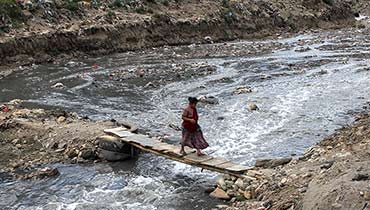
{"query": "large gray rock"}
(208, 100)
(87, 154)
(112, 143)
(271, 163)
(112, 156)
(252, 106)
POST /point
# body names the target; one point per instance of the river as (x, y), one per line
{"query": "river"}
(306, 86)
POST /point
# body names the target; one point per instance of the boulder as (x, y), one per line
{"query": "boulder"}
(40, 174)
(208, 40)
(87, 154)
(112, 143)
(252, 106)
(112, 156)
(208, 100)
(271, 163)
(220, 194)
(242, 90)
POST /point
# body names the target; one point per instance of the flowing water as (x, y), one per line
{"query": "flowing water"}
(306, 86)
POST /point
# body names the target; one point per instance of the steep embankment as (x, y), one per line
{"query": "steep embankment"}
(55, 29)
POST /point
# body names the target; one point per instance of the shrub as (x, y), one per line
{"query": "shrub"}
(72, 5)
(110, 14)
(166, 3)
(143, 9)
(10, 9)
(229, 16)
(226, 3)
(328, 2)
(117, 3)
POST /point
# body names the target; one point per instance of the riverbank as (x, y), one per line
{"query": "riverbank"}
(333, 174)
(337, 168)
(51, 31)
(31, 138)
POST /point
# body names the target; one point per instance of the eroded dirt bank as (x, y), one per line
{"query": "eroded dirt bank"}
(51, 30)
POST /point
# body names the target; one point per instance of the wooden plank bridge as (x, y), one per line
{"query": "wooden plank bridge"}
(170, 151)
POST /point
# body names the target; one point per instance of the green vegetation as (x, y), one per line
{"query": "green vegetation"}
(226, 3)
(72, 5)
(10, 9)
(328, 2)
(117, 4)
(110, 14)
(229, 16)
(240, 198)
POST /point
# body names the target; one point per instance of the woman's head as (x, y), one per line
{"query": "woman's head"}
(193, 101)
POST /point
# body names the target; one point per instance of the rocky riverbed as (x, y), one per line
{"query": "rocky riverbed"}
(334, 174)
(31, 138)
(267, 98)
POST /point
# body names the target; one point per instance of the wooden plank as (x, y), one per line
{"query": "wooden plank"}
(215, 161)
(138, 137)
(238, 168)
(146, 142)
(236, 174)
(165, 147)
(120, 132)
(225, 165)
(194, 157)
(169, 151)
(172, 149)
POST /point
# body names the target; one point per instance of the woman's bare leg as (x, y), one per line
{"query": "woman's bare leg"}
(182, 150)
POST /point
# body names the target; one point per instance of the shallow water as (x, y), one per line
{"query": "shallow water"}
(305, 87)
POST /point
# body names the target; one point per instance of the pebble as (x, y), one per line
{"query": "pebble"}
(61, 119)
(19, 146)
(58, 85)
(284, 181)
(221, 182)
(242, 90)
(220, 194)
(221, 206)
(239, 182)
(336, 205)
(248, 195)
(15, 141)
(367, 196)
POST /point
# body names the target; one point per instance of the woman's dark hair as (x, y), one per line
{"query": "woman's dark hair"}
(192, 100)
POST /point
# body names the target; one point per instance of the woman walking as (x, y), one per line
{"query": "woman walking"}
(192, 135)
